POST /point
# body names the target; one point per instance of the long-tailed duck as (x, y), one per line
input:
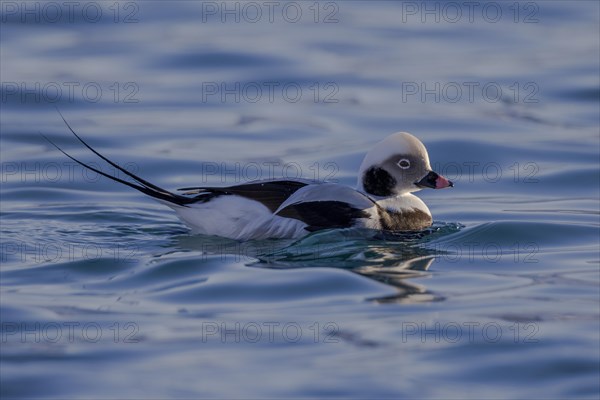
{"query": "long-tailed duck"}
(382, 200)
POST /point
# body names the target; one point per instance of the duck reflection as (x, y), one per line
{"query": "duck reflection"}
(399, 277)
(394, 260)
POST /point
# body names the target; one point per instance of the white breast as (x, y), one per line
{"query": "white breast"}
(404, 202)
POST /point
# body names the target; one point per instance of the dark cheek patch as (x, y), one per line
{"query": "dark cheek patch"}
(378, 182)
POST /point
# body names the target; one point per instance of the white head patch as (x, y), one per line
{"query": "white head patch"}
(396, 143)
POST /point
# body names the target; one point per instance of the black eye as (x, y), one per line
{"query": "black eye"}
(404, 163)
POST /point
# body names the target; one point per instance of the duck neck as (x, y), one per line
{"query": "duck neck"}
(401, 202)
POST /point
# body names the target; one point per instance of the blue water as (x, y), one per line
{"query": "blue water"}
(105, 294)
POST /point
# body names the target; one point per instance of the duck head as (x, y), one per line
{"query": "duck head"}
(397, 165)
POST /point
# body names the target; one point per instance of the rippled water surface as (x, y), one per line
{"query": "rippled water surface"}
(105, 294)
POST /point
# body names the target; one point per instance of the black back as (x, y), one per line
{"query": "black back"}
(324, 214)
(272, 193)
